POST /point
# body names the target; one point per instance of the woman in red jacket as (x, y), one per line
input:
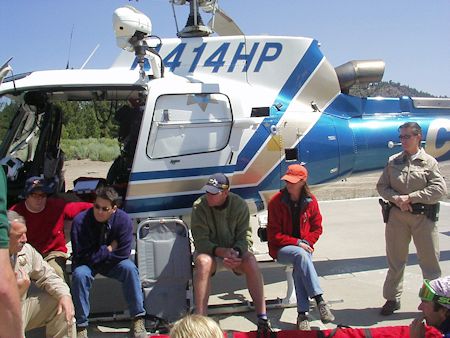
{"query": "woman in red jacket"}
(294, 225)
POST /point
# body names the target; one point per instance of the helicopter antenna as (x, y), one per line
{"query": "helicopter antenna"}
(70, 47)
(90, 55)
(175, 17)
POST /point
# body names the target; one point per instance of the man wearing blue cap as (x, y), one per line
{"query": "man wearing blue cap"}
(45, 220)
(222, 238)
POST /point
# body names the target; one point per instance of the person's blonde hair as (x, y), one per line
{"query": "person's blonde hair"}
(196, 326)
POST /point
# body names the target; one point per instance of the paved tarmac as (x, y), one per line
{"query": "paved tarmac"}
(350, 260)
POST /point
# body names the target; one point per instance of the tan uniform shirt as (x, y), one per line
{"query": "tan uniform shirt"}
(40, 272)
(420, 178)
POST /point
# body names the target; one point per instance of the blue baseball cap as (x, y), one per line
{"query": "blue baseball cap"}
(37, 183)
(217, 183)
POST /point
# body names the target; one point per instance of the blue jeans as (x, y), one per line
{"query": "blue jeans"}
(125, 272)
(305, 276)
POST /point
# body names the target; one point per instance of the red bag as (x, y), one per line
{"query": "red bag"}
(339, 332)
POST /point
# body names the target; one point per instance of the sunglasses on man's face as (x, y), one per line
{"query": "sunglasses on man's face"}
(99, 207)
(405, 137)
(427, 293)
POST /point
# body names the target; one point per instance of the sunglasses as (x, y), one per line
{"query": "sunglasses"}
(405, 137)
(99, 207)
(427, 293)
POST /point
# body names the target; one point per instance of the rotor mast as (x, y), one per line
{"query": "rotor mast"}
(194, 25)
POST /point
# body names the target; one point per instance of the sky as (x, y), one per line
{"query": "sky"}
(411, 36)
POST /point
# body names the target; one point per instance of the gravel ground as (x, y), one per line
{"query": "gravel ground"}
(353, 187)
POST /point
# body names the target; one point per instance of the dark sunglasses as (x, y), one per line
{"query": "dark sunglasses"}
(405, 137)
(105, 209)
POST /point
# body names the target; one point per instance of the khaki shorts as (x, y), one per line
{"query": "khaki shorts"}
(219, 264)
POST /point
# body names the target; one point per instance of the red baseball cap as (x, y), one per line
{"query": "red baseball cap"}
(295, 173)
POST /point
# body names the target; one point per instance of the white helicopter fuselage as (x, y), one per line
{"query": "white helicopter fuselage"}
(246, 106)
(213, 81)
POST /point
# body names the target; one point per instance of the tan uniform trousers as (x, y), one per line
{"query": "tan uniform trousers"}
(39, 310)
(399, 229)
(57, 260)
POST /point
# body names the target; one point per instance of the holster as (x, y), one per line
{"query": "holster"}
(385, 209)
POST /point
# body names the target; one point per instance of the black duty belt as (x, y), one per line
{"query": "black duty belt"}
(422, 209)
(431, 211)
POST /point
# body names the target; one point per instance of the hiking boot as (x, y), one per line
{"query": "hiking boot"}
(138, 328)
(82, 332)
(303, 323)
(264, 325)
(325, 313)
(389, 307)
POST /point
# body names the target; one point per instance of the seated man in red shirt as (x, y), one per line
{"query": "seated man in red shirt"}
(45, 217)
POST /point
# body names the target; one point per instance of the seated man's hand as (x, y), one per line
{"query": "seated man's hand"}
(65, 304)
(306, 247)
(230, 257)
(23, 281)
(113, 246)
(227, 253)
(232, 263)
(417, 328)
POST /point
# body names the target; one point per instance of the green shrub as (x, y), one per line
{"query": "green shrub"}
(101, 149)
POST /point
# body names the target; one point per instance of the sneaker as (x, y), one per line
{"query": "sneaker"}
(325, 313)
(303, 323)
(82, 332)
(138, 328)
(264, 325)
(389, 307)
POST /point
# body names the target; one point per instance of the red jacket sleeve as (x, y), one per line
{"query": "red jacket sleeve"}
(74, 208)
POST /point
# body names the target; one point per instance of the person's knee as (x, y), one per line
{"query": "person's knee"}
(301, 256)
(81, 273)
(249, 263)
(128, 266)
(204, 263)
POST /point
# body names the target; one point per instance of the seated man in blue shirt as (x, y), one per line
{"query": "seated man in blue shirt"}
(101, 243)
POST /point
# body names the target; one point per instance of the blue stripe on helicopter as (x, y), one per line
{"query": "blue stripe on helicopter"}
(296, 80)
(191, 172)
(301, 73)
(162, 204)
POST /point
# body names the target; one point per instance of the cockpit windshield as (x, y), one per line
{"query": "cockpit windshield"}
(42, 128)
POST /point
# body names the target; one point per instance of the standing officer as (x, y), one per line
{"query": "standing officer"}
(413, 184)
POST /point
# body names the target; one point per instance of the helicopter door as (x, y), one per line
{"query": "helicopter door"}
(190, 126)
(184, 138)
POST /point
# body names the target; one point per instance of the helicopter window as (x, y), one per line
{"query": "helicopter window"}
(189, 124)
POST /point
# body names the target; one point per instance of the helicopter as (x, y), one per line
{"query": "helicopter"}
(247, 106)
